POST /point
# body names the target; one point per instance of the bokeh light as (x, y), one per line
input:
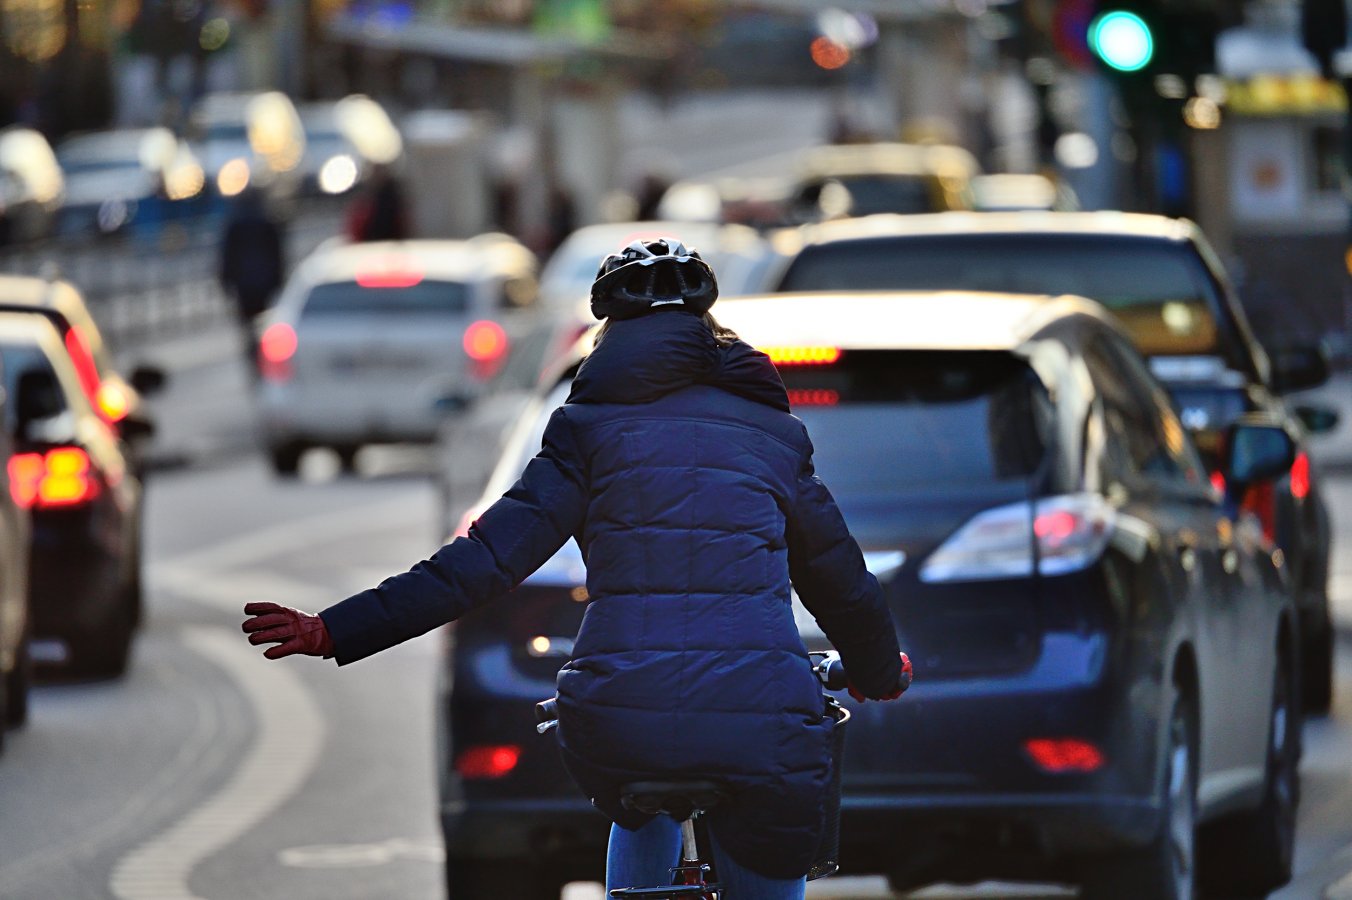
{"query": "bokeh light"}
(829, 55)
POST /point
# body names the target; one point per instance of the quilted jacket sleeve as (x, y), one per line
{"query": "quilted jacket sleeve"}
(513, 537)
(827, 570)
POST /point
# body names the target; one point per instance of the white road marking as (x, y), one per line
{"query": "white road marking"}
(229, 591)
(1340, 890)
(297, 534)
(290, 736)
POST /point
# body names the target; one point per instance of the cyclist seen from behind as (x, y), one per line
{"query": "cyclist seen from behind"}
(688, 485)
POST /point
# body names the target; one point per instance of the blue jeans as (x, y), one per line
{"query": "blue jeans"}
(644, 858)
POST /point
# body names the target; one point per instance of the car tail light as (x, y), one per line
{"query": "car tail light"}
(390, 278)
(462, 529)
(57, 478)
(113, 402)
(795, 355)
(85, 368)
(1300, 476)
(488, 762)
(276, 347)
(813, 397)
(485, 344)
(1059, 755)
(1051, 536)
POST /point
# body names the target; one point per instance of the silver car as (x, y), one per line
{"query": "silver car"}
(375, 342)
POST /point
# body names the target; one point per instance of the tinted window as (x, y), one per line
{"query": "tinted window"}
(20, 359)
(350, 298)
(897, 421)
(870, 194)
(1138, 417)
(1156, 288)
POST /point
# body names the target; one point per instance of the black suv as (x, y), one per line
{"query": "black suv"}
(1167, 286)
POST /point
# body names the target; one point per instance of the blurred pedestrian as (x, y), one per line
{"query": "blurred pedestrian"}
(379, 212)
(678, 468)
(252, 262)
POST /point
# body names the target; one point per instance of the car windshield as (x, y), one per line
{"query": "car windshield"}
(1156, 288)
(434, 298)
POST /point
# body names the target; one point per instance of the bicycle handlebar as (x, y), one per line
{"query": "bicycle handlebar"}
(826, 665)
(830, 671)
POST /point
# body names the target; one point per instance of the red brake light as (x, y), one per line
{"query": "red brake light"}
(802, 355)
(485, 341)
(61, 477)
(1218, 482)
(813, 397)
(276, 346)
(78, 349)
(1300, 476)
(488, 762)
(1054, 527)
(486, 345)
(462, 530)
(398, 278)
(1059, 755)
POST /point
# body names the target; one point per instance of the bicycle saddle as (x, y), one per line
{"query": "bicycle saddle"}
(678, 799)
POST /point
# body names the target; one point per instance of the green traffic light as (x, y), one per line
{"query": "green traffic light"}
(1122, 40)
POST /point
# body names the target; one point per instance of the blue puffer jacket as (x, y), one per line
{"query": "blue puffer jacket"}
(689, 488)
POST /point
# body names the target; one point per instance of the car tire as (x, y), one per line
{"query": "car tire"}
(106, 652)
(347, 457)
(1165, 868)
(496, 879)
(17, 684)
(285, 459)
(1317, 667)
(1251, 854)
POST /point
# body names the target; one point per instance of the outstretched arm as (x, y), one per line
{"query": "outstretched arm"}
(827, 570)
(513, 537)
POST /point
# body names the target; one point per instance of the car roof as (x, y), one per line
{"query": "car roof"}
(899, 320)
(41, 293)
(1106, 223)
(450, 260)
(23, 326)
(888, 159)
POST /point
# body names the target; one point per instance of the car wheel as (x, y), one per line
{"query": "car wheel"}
(1250, 854)
(496, 879)
(17, 684)
(1164, 869)
(285, 459)
(347, 457)
(105, 652)
(1317, 668)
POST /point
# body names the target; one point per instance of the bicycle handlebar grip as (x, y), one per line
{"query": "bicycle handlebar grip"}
(833, 675)
(547, 710)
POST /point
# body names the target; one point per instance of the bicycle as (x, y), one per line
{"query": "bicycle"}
(687, 800)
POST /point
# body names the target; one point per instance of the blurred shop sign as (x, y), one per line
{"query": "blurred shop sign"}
(1280, 95)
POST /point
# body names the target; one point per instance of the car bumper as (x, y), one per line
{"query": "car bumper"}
(75, 576)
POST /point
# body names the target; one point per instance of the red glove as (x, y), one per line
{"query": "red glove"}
(906, 674)
(293, 630)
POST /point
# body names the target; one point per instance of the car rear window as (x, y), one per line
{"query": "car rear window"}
(870, 194)
(350, 298)
(1156, 288)
(896, 421)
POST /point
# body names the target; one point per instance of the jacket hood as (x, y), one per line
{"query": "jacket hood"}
(640, 360)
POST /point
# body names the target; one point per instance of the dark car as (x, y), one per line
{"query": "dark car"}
(118, 401)
(1104, 646)
(15, 531)
(69, 471)
(1168, 289)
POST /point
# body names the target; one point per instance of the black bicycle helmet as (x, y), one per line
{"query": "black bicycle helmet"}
(650, 274)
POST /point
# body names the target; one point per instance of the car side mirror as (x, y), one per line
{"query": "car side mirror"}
(1257, 452)
(38, 397)
(147, 380)
(1317, 419)
(1298, 367)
